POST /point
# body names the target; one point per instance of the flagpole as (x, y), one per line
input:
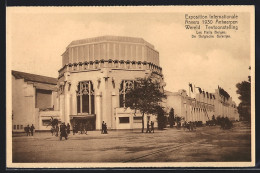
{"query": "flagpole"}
(189, 89)
(194, 92)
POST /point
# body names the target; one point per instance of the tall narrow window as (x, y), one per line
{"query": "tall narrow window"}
(85, 97)
(124, 87)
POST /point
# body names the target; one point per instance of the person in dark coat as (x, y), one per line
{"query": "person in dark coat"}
(74, 129)
(152, 126)
(103, 127)
(28, 130)
(68, 128)
(57, 131)
(63, 131)
(81, 128)
(85, 128)
(148, 127)
(32, 129)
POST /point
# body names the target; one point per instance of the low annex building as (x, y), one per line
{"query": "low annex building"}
(91, 88)
(34, 101)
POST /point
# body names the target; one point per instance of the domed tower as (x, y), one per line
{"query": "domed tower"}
(95, 74)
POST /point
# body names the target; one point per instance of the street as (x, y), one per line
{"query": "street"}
(206, 144)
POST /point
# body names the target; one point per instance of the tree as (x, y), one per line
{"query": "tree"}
(53, 122)
(171, 117)
(244, 107)
(161, 118)
(146, 96)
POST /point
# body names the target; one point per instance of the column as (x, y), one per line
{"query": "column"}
(113, 107)
(67, 108)
(98, 110)
(74, 104)
(62, 106)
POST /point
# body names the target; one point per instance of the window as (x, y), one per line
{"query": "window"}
(137, 119)
(14, 127)
(85, 98)
(17, 127)
(43, 99)
(123, 120)
(46, 122)
(125, 86)
(21, 126)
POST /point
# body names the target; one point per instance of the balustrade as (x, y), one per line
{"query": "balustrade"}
(97, 64)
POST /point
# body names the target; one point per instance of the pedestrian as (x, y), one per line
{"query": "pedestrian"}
(148, 127)
(191, 126)
(63, 131)
(68, 128)
(52, 130)
(103, 127)
(28, 130)
(85, 128)
(57, 130)
(32, 129)
(81, 128)
(152, 126)
(74, 129)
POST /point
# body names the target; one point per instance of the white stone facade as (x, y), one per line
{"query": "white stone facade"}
(100, 65)
(201, 107)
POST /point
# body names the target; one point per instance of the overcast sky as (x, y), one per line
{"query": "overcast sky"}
(38, 39)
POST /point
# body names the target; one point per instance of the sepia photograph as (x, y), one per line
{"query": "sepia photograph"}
(125, 86)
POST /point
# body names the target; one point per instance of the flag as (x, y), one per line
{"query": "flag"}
(191, 87)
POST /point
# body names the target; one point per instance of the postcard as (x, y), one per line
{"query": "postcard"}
(130, 86)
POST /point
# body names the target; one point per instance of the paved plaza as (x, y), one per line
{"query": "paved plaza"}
(206, 144)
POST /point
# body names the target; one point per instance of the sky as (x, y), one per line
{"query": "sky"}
(36, 40)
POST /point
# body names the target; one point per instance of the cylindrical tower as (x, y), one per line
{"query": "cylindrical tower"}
(93, 75)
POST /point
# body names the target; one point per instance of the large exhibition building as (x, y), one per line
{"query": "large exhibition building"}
(92, 84)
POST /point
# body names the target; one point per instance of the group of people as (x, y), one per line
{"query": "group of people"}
(104, 128)
(80, 128)
(148, 127)
(190, 125)
(29, 130)
(63, 129)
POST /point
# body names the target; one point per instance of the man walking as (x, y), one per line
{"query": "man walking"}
(28, 130)
(74, 129)
(32, 129)
(68, 128)
(57, 131)
(63, 131)
(152, 126)
(148, 127)
(103, 127)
